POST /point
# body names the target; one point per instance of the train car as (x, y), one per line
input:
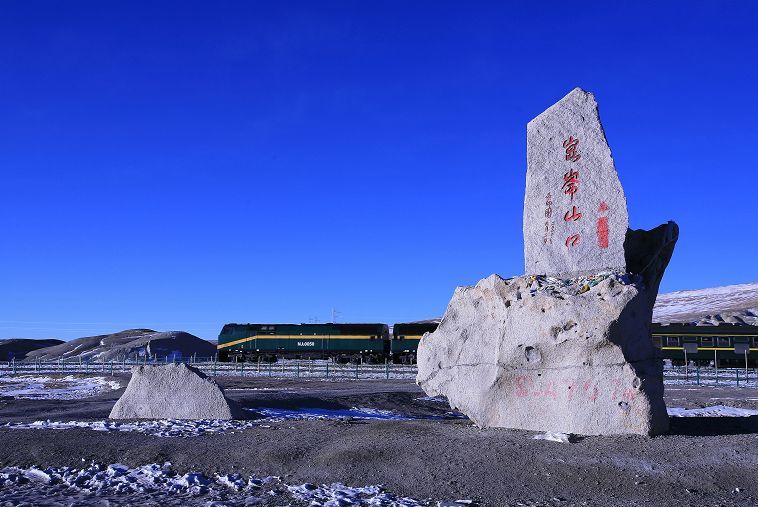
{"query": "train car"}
(725, 344)
(269, 342)
(405, 338)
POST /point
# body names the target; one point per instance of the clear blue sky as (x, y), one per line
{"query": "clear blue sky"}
(179, 165)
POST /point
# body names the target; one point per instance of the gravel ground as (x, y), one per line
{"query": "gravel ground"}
(703, 461)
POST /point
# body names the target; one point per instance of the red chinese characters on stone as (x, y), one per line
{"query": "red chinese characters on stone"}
(570, 145)
(571, 187)
(572, 215)
(570, 390)
(602, 227)
(570, 183)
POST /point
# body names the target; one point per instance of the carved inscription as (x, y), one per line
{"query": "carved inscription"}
(528, 387)
(575, 217)
(571, 187)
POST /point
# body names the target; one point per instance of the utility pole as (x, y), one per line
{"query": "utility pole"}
(334, 315)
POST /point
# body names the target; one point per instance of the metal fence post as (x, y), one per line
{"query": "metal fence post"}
(738, 377)
(387, 369)
(697, 373)
(111, 367)
(298, 368)
(356, 369)
(327, 369)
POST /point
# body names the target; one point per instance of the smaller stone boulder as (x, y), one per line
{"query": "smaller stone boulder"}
(173, 391)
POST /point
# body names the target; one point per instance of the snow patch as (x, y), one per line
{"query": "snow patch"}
(156, 483)
(70, 387)
(714, 411)
(554, 436)
(337, 494)
(435, 399)
(159, 428)
(283, 414)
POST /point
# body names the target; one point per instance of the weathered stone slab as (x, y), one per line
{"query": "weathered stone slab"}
(575, 215)
(546, 354)
(173, 391)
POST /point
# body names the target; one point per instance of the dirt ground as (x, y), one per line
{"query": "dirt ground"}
(702, 461)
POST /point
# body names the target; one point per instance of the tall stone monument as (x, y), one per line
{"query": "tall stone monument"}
(575, 217)
(565, 347)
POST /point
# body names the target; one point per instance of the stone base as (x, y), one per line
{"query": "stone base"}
(173, 391)
(545, 354)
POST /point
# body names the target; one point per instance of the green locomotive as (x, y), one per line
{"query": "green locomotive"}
(267, 342)
(405, 339)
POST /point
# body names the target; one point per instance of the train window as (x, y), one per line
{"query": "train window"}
(673, 341)
(723, 341)
(657, 341)
(706, 341)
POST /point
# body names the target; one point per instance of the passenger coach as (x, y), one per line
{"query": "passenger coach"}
(726, 344)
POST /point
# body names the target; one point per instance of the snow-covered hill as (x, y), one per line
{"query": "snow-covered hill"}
(736, 304)
(126, 344)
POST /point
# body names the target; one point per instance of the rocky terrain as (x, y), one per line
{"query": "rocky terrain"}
(422, 452)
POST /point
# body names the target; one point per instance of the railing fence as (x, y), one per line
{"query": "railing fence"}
(210, 366)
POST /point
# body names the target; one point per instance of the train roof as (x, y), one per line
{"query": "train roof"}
(724, 328)
(305, 324)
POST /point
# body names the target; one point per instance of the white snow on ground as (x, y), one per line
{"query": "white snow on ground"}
(158, 427)
(282, 414)
(435, 399)
(337, 494)
(194, 428)
(32, 387)
(714, 411)
(160, 483)
(731, 377)
(554, 436)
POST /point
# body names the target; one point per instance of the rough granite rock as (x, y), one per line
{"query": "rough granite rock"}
(542, 353)
(575, 215)
(173, 391)
(649, 252)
